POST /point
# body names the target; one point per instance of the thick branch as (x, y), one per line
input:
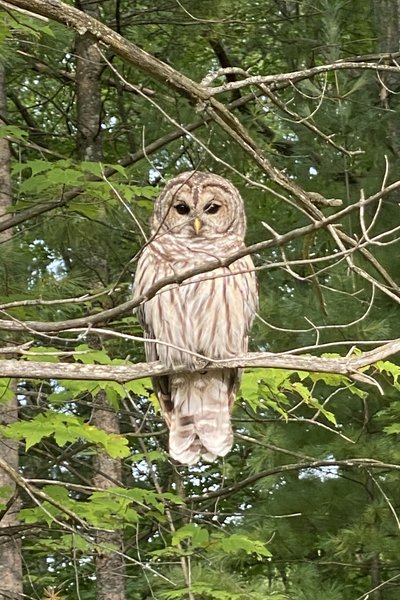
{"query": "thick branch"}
(84, 24)
(348, 366)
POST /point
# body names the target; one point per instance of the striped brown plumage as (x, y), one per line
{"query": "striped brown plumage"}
(198, 217)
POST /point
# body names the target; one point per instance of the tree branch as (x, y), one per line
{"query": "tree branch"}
(360, 463)
(151, 148)
(296, 76)
(199, 94)
(347, 366)
(144, 62)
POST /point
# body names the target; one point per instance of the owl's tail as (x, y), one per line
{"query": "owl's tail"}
(200, 424)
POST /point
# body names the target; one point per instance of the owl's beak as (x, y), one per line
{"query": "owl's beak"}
(197, 225)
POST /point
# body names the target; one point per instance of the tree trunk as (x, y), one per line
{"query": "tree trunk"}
(375, 574)
(387, 19)
(10, 546)
(374, 566)
(88, 91)
(109, 565)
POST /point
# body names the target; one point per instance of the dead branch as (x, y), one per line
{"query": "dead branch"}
(296, 76)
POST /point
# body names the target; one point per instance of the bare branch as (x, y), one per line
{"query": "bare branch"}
(348, 366)
(360, 463)
(295, 76)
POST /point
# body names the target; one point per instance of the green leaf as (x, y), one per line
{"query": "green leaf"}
(249, 386)
(66, 428)
(140, 387)
(384, 366)
(392, 429)
(198, 536)
(235, 543)
(88, 356)
(13, 131)
(43, 354)
(152, 455)
(6, 391)
(90, 211)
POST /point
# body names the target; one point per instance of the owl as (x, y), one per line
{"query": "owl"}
(198, 217)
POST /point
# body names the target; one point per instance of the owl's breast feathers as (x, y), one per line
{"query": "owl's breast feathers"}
(208, 314)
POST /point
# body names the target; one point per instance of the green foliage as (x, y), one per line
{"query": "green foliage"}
(108, 509)
(197, 535)
(390, 369)
(204, 590)
(12, 131)
(191, 538)
(6, 391)
(273, 389)
(66, 429)
(236, 543)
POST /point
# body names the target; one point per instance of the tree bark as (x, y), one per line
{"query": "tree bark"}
(348, 366)
(10, 548)
(108, 473)
(88, 90)
(374, 565)
(110, 567)
(387, 19)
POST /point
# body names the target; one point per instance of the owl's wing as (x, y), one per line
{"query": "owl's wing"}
(145, 276)
(161, 385)
(249, 290)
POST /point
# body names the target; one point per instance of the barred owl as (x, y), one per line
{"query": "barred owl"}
(197, 218)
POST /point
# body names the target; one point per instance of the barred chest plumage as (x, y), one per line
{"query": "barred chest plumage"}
(207, 314)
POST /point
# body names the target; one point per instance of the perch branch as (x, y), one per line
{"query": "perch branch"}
(349, 366)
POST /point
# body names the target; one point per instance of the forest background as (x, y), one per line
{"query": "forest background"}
(296, 103)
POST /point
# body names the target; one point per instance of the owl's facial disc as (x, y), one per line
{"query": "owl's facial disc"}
(201, 211)
(199, 205)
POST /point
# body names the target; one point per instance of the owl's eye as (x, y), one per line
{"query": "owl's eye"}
(212, 208)
(182, 209)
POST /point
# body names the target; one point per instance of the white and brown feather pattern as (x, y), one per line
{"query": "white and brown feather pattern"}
(209, 314)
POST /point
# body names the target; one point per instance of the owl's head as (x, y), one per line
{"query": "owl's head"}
(196, 204)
